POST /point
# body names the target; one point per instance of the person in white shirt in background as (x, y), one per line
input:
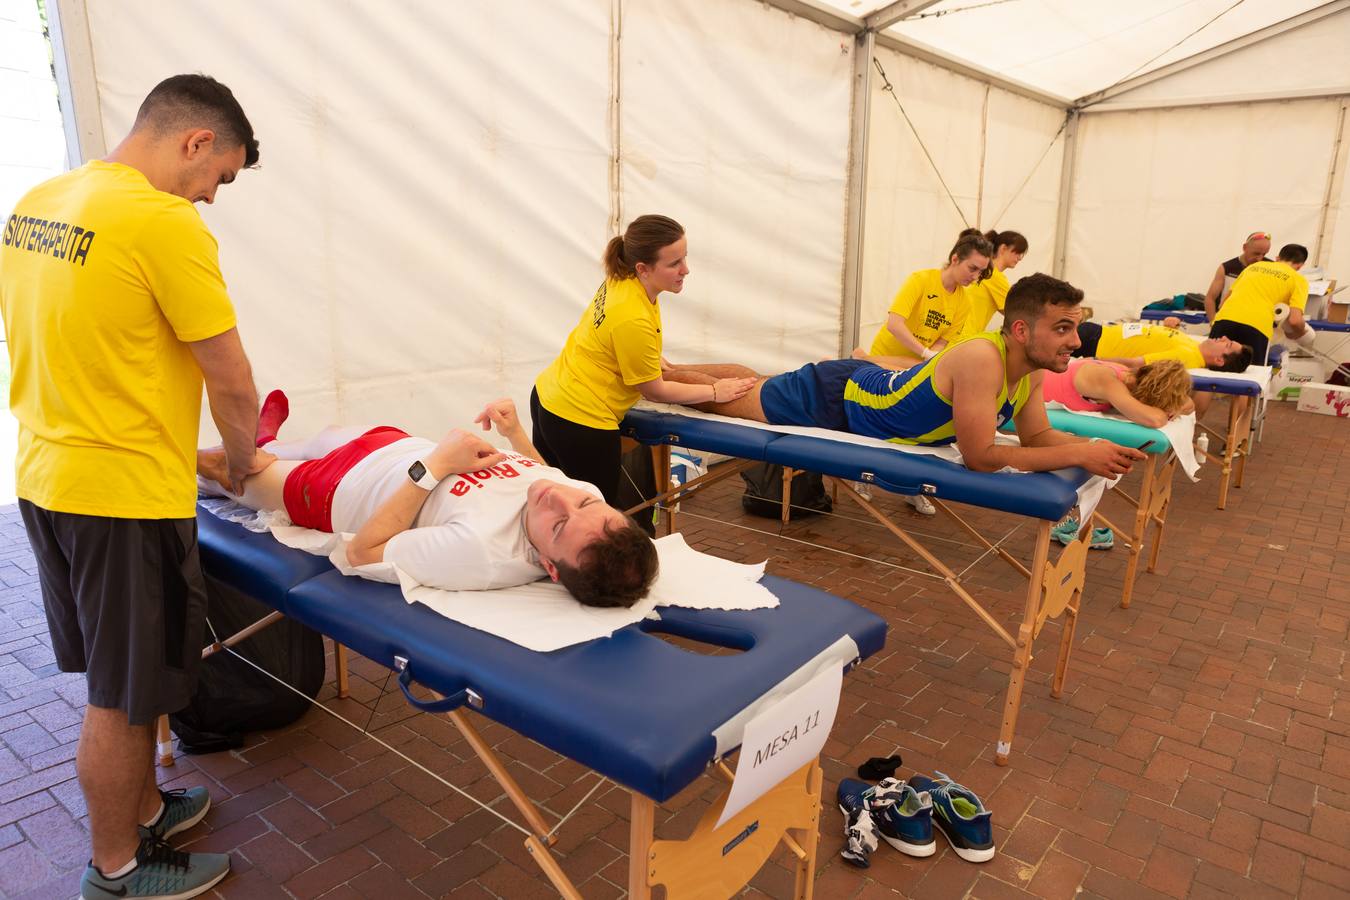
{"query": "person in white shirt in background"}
(455, 515)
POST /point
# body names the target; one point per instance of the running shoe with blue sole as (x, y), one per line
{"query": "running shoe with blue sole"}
(959, 815)
(903, 816)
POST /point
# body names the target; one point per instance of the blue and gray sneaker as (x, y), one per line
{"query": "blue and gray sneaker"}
(161, 873)
(183, 808)
(1066, 533)
(903, 817)
(960, 816)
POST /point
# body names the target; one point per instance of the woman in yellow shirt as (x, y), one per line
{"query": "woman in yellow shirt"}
(987, 297)
(932, 306)
(613, 357)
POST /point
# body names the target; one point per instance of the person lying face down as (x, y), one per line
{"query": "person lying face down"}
(1150, 395)
(961, 395)
(456, 515)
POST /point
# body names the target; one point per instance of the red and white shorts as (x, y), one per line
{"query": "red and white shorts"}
(309, 489)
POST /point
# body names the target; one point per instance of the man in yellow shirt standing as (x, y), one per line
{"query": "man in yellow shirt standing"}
(1248, 315)
(116, 311)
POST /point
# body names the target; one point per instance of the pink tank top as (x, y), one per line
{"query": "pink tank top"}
(1058, 386)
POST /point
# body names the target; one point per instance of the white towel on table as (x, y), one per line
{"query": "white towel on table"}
(541, 616)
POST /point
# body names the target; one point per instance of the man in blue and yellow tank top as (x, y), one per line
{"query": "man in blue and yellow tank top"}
(962, 395)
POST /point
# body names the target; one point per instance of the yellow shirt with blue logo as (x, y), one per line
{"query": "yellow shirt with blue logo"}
(615, 347)
(907, 408)
(103, 281)
(1258, 289)
(931, 313)
(986, 298)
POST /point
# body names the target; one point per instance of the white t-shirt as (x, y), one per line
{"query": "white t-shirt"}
(469, 534)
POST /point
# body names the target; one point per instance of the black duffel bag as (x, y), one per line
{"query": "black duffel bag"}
(764, 493)
(232, 697)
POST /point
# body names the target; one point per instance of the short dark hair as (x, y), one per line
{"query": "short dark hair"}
(616, 570)
(1293, 253)
(1028, 298)
(1235, 360)
(187, 101)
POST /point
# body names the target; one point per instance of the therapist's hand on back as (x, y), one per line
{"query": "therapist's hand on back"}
(1106, 458)
(459, 451)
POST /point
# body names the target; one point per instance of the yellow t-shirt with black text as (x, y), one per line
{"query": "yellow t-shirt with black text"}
(103, 279)
(1151, 342)
(615, 347)
(986, 298)
(1258, 289)
(930, 312)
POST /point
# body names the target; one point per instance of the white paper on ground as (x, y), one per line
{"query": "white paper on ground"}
(783, 738)
(542, 615)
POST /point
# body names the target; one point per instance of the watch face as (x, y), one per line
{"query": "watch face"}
(417, 471)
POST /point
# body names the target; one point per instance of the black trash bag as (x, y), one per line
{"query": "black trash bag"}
(232, 697)
(764, 493)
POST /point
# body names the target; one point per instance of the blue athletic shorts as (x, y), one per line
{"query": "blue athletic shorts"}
(812, 396)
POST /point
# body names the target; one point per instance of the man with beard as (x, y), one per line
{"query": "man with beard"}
(962, 395)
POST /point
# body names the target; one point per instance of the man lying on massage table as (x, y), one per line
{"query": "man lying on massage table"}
(961, 395)
(1137, 344)
(458, 515)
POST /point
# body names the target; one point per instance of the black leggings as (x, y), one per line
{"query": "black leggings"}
(582, 452)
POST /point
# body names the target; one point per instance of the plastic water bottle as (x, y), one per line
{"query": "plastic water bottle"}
(1202, 442)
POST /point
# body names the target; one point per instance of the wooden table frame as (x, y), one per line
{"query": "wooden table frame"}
(1237, 443)
(1155, 496)
(1054, 589)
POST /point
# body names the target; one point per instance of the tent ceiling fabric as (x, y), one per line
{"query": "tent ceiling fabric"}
(1077, 47)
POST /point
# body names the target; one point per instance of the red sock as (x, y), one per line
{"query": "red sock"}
(275, 409)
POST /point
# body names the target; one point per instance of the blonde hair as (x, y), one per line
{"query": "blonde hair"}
(1164, 385)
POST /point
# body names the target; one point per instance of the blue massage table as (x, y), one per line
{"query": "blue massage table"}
(637, 709)
(1054, 586)
(1193, 317)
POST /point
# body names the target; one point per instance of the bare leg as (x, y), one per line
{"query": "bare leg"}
(708, 373)
(321, 444)
(150, 799)
(896, 363)
(747, 407)
(112, 768)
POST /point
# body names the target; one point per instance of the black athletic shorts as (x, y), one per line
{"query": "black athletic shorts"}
(1090, 334)
(1243, 334)
(126, 604)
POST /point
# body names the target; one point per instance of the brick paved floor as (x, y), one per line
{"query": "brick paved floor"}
(1202, 748)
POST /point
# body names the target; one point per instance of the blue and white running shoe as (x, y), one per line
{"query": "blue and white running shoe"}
(960, 816)
(903, 817)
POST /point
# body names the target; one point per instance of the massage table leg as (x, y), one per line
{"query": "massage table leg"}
(1026, 636)
(344, 687)
(719, 861)
(641, 831)
(1244, 440)
(786, 511)
(164, 741)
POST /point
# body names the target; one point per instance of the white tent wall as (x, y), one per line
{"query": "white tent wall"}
(1306, 60)
(735, 123)
(1161, 197)
(911, 223)
(32, 149)
(432, 197)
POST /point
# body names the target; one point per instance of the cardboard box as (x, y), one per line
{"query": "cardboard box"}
(1326, 399)
(1293, 374)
